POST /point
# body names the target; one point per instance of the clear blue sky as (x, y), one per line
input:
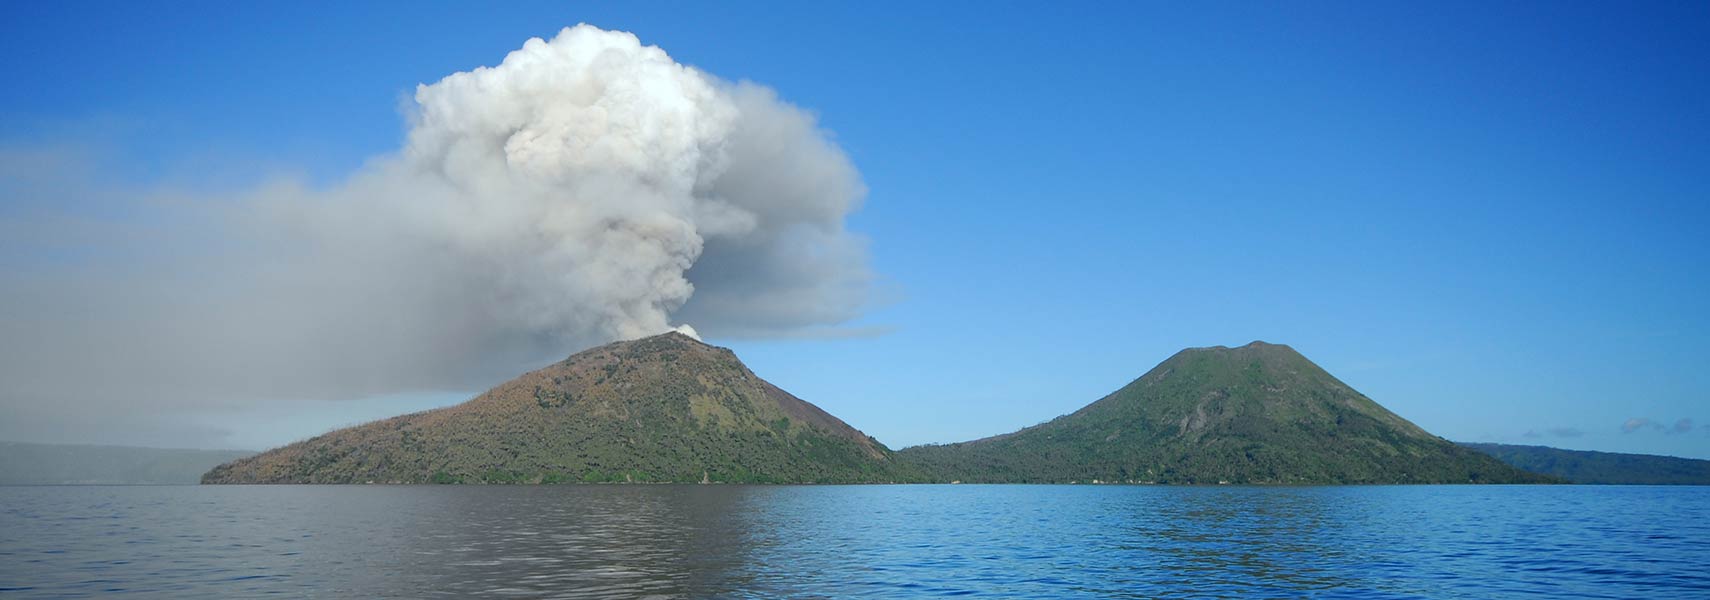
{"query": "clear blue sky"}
(1490, 217)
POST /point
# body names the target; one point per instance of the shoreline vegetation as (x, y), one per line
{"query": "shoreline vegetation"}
(20, 466)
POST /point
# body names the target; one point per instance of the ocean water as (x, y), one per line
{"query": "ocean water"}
(856, 541)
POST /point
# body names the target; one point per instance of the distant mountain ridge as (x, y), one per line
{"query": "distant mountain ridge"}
(81, 464)
(1258, 414)
(666, 408)
(1604, 468)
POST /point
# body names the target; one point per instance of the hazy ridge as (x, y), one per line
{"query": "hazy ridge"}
(56, 464)
(1585, 466)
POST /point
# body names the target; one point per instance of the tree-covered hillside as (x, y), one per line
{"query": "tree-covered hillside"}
(1581, 466)
(1261, 413)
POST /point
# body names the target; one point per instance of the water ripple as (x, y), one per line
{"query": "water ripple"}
(861, 541)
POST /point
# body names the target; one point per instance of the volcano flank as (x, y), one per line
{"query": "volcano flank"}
(670, 408)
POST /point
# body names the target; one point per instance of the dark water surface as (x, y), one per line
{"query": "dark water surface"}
(836, 542)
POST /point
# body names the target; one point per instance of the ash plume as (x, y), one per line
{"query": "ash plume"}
(586, 189)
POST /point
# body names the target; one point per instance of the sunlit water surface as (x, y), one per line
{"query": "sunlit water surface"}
(838, 542)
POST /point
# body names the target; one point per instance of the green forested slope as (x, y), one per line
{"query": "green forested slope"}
(1261, 413)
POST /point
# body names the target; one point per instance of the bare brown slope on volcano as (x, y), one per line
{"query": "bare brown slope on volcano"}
(663, 408)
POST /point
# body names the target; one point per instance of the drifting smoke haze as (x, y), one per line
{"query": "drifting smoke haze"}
(587, 189)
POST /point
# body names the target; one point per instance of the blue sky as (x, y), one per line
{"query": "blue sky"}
(1489, 217)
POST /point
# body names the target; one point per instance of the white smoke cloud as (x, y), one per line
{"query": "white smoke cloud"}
(586, 189)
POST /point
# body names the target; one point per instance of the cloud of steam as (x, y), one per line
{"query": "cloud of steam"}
(586, 189)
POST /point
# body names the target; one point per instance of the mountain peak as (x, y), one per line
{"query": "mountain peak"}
(661, 408)
(1259, 413)
(1255, 345)
(1279, 356)
(663, 345)
(673, 337)
(679, 336)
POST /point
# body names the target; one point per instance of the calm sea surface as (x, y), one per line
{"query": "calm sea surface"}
(837, 541)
